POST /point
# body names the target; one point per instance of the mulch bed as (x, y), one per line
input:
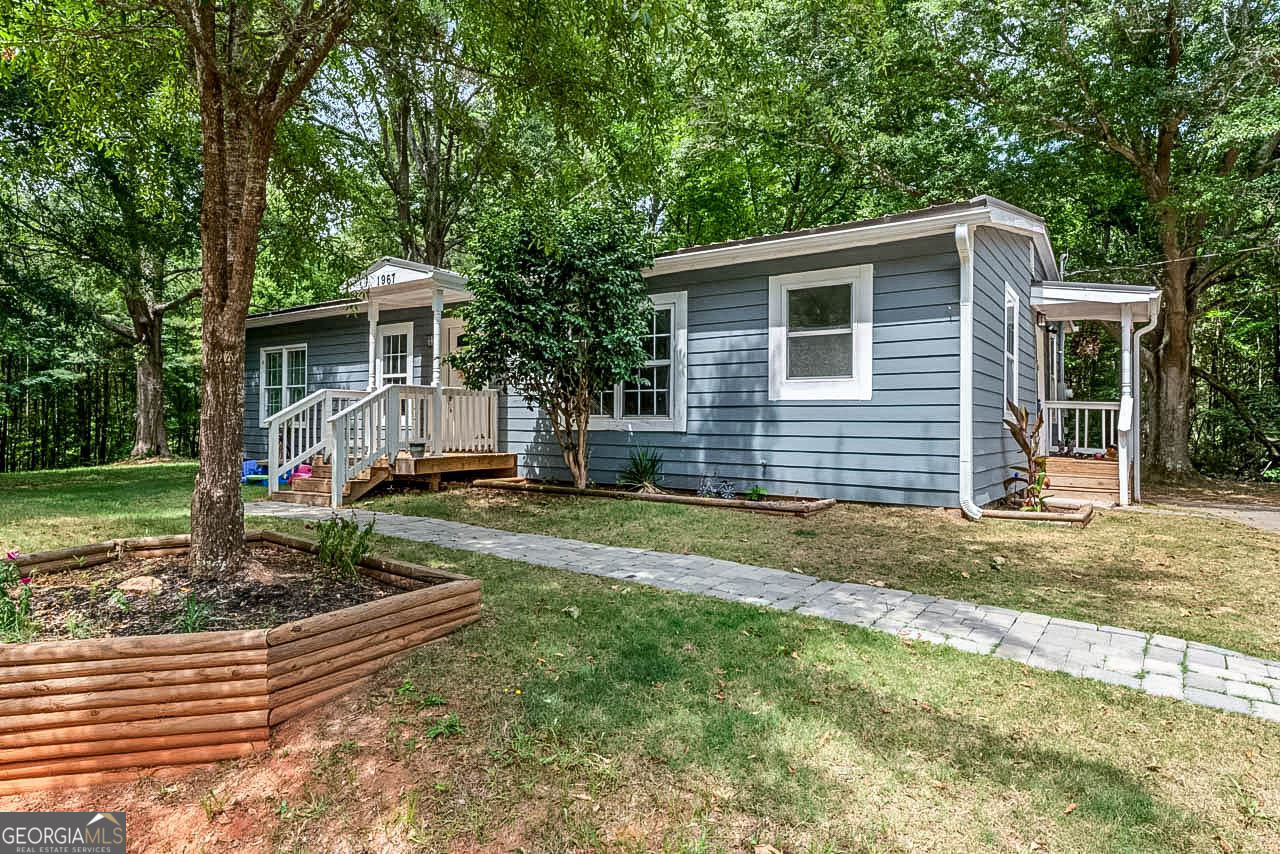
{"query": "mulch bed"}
(279, 585)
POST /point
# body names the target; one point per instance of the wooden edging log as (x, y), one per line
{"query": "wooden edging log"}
(176, 756)
(145, 679)
(369, 610)
(99, 778)
(305, 668)
(298, 699)
(127, 647)
(138, 712)
(136, 744)
(88, 733)
(105, 666)
(1080, 518)
(304, 651)
(133, 697)
(788, 508)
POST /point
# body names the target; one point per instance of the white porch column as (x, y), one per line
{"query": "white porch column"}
(1135, 445)
(373, 345)
(437, 312)
(1126, 420)
(1042, 335)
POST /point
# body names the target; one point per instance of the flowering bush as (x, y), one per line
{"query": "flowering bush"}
(15, 601)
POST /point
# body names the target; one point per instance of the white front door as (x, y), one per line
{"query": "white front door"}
(395, 354)
(453, 335)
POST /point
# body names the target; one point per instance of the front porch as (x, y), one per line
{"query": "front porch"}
(1093, 446)
(396, 428)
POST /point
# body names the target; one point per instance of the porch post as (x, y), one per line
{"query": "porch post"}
(1135, 446)
(437, 310)
(1126, 398)
(1042, 368)
(373, 345)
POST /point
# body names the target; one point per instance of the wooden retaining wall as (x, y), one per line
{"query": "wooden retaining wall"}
(84, 712)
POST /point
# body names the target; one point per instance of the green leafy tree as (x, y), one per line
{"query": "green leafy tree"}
(559, 312)
(1181, 98)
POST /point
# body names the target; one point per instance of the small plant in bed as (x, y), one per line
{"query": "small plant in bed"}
(756, 493)
(343, 544)
(16, 624)
(643, 472)
(1031, 479)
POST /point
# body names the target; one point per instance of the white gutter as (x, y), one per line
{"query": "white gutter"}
(964, 247)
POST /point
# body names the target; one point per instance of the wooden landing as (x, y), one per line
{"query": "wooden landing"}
(1084, 480)
(425, 471)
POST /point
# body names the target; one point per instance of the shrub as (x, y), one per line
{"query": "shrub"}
(343, 544)
(1032, 476)
(644, 470)
(756, 493)
(16, 624)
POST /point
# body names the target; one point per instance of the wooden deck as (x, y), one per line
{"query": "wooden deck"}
(426, 471)
(1084, 479)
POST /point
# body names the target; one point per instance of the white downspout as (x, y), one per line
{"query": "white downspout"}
(1125, 419)
(964, 247)
(1136, 443)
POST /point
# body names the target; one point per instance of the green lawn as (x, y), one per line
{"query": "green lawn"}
(1210, 580)
(581, 714)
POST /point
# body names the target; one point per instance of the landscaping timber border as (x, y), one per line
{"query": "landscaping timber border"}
(789, 507)
(83, 712)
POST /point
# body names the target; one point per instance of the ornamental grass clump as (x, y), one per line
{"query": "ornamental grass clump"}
(643, 472)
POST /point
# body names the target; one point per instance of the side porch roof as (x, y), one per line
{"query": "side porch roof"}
(1068, 301)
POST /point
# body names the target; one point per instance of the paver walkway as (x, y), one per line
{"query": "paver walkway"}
(1157, 664)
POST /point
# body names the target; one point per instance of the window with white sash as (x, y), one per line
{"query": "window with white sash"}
(282, 378)
(1012, 306)
(820, 334)
(655, 398)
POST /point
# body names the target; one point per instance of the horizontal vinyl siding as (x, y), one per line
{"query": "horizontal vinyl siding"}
(901, 446)
(999, 257)
(337, 357)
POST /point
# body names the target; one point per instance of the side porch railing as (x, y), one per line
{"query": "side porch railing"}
(424, 420)
(1081, 426)
(300, 430)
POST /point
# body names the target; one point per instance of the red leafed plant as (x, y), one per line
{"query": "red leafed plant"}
(1033, 478)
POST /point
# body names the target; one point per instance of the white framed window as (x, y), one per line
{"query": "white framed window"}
(655, 399)
(820, 334)
(282, 378)
(395, 354)
(1012, 333)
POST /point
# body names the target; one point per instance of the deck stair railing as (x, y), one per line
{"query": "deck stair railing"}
(298, 432)
(424, 420)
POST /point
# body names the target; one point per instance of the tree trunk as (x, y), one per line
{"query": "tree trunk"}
(150, 439)
(1173, 386)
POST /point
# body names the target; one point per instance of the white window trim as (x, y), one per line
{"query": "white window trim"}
(858, 387)
(678, 302)
(1011, 301)
(405, 328)
(283, 350)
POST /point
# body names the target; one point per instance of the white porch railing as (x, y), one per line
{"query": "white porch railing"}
(1084, 426)
(298, 432)
(400, 417)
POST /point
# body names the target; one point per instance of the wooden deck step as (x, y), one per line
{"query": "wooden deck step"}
(315, 490)
(1085, 480)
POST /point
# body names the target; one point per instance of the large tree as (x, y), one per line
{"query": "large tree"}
(113, 207)
(1178, 94)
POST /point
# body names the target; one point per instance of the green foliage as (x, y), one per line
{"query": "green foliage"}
(643, 471)
(559, 313)
(16, 624)
(1031, 476)
(343, 544)
(756, 493)
(447, 726)
(194, 616)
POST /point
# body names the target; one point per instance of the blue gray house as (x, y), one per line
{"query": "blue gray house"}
(867, 361)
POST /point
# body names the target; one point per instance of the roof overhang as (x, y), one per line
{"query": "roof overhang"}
(1066, 301)
(405, 285)
(981, 211)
